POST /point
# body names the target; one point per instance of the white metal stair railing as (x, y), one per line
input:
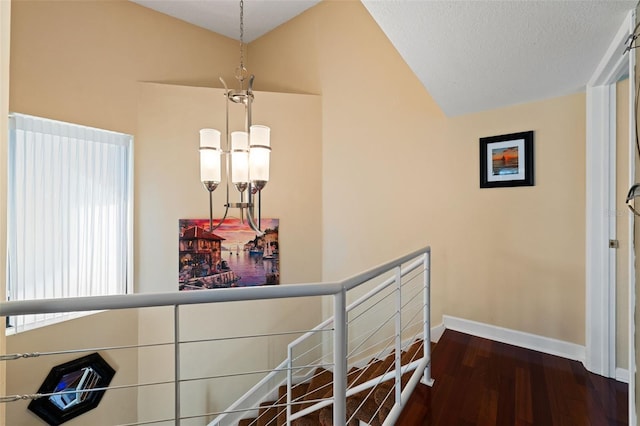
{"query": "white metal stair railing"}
(422, 365)
(335, 332)
(394, 283)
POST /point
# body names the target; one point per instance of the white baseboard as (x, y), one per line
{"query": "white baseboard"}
(436, 332)
(516, 338)
(622, 375)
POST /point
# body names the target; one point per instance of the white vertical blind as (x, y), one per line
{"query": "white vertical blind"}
(69, 204)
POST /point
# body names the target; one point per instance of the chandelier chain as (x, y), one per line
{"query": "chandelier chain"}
(242, 33)
(242, 71)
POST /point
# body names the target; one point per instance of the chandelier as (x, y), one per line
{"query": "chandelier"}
(247, 156)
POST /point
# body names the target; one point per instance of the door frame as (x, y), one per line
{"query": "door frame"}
(601, 212)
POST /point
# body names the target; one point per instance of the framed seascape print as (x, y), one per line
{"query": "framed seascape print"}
(506, 160)
(230, 256)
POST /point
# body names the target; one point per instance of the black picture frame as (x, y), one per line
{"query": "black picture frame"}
(51, 412)
(507, 160)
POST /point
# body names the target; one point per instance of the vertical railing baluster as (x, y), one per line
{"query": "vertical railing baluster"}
(427, 380)
(289, 383)
(176, 357)
(398, 339)
(340, 358)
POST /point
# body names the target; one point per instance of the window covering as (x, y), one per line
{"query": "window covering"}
(69, 211)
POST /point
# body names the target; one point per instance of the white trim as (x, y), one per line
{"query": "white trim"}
(631, 377)
(608, 72)
(600, 330)
(614, 64)
(130, 287)
(516, 338)
(68, 316)
(622, 375)
(436, 332)
(600, 190)
(613, 233)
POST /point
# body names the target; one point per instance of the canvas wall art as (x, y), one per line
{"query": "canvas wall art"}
(230, 256)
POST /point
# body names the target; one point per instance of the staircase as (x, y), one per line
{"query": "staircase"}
(370, 406)
(388, 313)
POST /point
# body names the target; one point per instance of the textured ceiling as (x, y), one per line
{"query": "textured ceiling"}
(478, 55)
(470, 55)
(223, 16)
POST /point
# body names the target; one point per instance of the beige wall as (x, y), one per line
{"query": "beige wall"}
(398, 174)
(168, 184)
(95, 331)
(394, 172)
(168, 189)
(373, 109)
(517, 254)
(83, 65)
(83, 62)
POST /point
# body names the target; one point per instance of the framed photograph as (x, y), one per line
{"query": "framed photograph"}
(230, 256)
(506, 160)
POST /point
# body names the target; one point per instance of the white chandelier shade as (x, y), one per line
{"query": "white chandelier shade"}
(240, 157)
(210, 156)
(259, 154)
(250, 156)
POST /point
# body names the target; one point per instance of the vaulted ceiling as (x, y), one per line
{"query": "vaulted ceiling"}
(470, 55)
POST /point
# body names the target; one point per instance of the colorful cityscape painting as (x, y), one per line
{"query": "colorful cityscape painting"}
(230, 256)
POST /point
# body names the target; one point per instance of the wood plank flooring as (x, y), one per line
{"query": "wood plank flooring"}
(486, 383)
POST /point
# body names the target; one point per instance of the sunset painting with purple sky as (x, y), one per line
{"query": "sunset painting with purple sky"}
(229, 256)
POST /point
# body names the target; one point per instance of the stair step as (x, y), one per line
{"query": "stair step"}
(354, 376)
(364, 403)
(267, 414)
(367, 409)
(407, 357)
(320, 383)
(382, 394)
(367, 372)
(372, 406)
(297, 392)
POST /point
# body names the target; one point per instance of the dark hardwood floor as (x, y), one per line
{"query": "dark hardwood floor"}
(482, 382)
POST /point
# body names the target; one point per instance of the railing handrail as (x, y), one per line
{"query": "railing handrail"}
(362, 277)
(173, 298)
(385, 284)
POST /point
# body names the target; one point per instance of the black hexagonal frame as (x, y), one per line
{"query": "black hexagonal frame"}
(49, 408)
